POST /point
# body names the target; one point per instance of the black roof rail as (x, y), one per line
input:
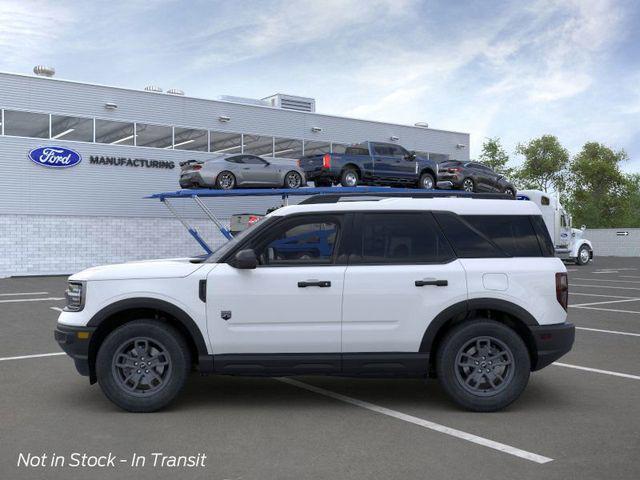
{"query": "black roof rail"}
(375, 196)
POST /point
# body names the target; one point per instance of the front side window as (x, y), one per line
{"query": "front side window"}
(26, 124)
(304, 242)
(400, 238)
(512, 233)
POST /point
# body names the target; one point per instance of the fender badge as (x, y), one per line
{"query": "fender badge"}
(225, 314)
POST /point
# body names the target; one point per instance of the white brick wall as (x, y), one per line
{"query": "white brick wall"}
(51, 245)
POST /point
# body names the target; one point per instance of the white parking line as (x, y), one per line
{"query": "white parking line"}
(609, 331)
(421, 422)
(605, 302)
(16, 300)
(22, 357)
(597, 370)
(606, 280)
(23, 293)
(597, 295)
(57, 309)
(604, 286)
(608, 309)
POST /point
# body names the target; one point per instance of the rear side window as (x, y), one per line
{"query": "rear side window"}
(357, 151)
(465, 239)
(512, 233)
(400, 238)
(544, 239)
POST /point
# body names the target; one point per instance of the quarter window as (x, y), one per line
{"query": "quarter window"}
(401, 238)
(26, 124)
(305, 242)
(466, 240)
(512, 233)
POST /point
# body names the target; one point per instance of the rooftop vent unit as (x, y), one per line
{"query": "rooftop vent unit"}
(153, 88)
(244, 100)
(43, 71)
(175, 91)
(291, 102)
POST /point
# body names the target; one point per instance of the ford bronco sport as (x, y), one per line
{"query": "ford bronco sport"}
(463, 289)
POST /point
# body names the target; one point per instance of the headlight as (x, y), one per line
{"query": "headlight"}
(75, 296)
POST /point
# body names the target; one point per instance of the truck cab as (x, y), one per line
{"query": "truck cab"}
(567, 241)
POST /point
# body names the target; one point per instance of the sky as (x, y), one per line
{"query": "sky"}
(514, 70)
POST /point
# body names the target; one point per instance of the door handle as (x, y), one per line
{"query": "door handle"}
(437, 283)
(314, 283)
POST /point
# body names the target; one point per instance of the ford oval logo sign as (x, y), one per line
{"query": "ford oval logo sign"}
(56, 157)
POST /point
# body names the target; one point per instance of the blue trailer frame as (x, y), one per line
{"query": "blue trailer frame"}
(334, 193)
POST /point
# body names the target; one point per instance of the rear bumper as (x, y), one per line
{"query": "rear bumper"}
(552, 342)
(192, 180)
(319, 173)
(456, 181)
(75, 343)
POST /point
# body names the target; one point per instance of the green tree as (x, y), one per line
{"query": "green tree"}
(495, 157)
(545, 164)
(600, 194)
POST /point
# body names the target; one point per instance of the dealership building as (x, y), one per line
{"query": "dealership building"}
(128, 144)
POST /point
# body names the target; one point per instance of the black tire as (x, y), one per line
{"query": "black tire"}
(169, 379)
(468, 185)
(349, 177)
(426, 182)
(583, 255)
(322, 183)
(226, 180)
(483, 396)
(292, 180)
(509, 191)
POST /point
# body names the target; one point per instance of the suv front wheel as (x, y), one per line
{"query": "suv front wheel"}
(483, 365)
(142, 365)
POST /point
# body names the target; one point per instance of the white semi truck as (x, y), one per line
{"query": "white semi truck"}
(568, 241)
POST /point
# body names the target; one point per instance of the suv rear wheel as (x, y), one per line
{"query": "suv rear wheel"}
(142, 365)
(468, 185)
(483, 365)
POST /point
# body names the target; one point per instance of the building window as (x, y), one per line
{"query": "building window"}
(338, 147)
(71, 128)
(225, 142)
(316, 148)
(287, 148)
(115, 133)
(26, 124)
(157, 136)
(190, 139)
(258, 145)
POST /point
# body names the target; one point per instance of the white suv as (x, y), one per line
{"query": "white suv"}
(464, 289)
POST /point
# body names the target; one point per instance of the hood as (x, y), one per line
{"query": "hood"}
(577, 233)
(163, 268)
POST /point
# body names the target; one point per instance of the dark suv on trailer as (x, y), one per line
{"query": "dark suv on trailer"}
(474, 177)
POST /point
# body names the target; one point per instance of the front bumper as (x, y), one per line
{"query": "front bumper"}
(75, 343)
(552, 342)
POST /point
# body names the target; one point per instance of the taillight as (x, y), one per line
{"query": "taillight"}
(252, 219)
(326, 161)
(196, 167)
(562, 289)
(298, 162)
(454, 170)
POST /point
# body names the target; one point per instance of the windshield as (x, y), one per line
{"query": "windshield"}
(226, 247)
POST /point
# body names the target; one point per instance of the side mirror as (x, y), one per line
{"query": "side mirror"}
(410, 156)
(245, 259)
(583, 228)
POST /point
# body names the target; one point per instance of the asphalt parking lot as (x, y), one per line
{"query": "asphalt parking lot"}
(577, 419)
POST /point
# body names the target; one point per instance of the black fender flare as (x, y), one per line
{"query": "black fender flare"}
(156, 304)
(461, 310)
